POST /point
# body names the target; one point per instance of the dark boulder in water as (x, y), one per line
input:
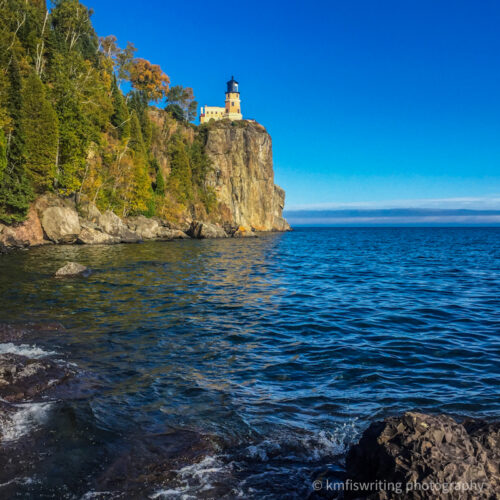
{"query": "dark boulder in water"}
(152, 462)
(428, 457)
(23, 378)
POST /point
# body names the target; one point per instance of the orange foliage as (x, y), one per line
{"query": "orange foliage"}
(149, 78)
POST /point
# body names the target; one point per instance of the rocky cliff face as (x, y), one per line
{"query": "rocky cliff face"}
(243, 177)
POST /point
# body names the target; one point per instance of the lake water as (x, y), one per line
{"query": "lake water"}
(241, 368)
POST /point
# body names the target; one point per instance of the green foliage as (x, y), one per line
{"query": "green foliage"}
(15, 190)
(180, 179)
(138, 102)
(160, 184)
(3, 154)
(121, 117)
(136, 140)
(176, 111)
(181, 103)
(66, 125)
(41, 133)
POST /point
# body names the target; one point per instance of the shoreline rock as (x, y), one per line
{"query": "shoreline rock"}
(23, 378)
(55, 220)
(418, 449)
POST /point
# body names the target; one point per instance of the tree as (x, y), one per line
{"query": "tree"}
(124, 59)
(149, 79)
(121, 117)
(179, 181)
(41, 134)
(160, 184)
(73, 28)
(3, 154)
(136, 140)
(15, 189)
(181, 103)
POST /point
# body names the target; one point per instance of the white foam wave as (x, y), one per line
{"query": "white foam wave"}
(194, 478)
(20, 423)
(19, 480)
(310, 447)
(24, 350)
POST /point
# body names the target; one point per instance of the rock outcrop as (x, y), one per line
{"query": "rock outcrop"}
(93, 236)
(61, 224)
(243, 177)
(23, 378)
(71, 269)
(201, 230)
(111, 224)
(145, 228)
(416, 450)
(28, 233)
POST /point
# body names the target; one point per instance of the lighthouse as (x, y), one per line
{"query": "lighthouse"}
(232, 109)
(233, 103)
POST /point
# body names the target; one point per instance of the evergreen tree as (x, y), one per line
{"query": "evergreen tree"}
(15, 190)
(121, 117)
(179, 181)
(3, 154)
(136, 141)
(160, 184)
(41, 134)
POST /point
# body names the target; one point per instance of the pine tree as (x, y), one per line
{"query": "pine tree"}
(179, 181)
(15, 190)
(41, 134)
(121, 117)
(3, 154)
(160, 184)
(136, 141)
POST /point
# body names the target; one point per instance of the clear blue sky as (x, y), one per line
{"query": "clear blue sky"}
(366, 101)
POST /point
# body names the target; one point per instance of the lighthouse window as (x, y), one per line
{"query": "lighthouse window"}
(232, 104)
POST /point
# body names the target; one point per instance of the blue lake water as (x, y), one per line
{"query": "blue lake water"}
(240, 368)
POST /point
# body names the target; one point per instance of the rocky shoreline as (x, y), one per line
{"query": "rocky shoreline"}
(55, 220)
(414, 456)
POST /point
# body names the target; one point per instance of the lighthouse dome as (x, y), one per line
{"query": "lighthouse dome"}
(232, 86)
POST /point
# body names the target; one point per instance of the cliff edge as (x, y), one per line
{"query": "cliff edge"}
(242, 176)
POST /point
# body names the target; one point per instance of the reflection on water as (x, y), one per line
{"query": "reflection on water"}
(273, 352)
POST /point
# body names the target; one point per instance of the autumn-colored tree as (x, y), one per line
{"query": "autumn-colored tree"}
(149, 79)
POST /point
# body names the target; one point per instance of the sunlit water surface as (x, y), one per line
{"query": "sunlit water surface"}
(277, 351)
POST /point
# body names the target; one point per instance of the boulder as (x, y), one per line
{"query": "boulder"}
(89, 211)
(24, 378)
(110, 223)
(49, 200)
(91, 236)
(146, 228)
(417, 449)
(244, 232)
(164, 233)
(71, 269)
(61, 224)
(28, 233)
(201, 230)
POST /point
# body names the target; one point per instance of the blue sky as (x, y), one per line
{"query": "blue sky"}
(368, 102)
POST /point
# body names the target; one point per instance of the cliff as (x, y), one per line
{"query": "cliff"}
(242, 176)
(239, 174)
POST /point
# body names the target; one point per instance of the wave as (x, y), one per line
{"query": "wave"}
(28, 417)
(24, 350)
